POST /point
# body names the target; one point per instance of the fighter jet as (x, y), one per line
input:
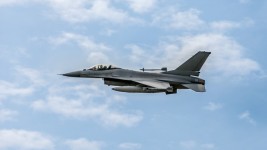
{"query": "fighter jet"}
(124, 80)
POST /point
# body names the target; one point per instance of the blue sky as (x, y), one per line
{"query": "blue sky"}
(42, 38)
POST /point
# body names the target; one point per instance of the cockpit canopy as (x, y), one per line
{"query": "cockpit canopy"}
(102, 67)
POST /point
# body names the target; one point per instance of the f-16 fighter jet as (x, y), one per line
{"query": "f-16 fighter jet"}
(124, 80)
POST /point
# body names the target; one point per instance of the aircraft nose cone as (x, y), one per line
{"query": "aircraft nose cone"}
(73, 74)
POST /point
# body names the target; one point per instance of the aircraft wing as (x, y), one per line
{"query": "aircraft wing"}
(154, 83)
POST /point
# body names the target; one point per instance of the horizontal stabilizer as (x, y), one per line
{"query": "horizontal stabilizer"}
(195, 87)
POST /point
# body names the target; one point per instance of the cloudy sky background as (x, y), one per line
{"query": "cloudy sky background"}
(42, 38)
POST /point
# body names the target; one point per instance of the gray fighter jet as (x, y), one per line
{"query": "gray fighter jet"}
(124, 80)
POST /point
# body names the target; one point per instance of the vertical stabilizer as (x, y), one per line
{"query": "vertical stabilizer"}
(192, 66)
(195, 62)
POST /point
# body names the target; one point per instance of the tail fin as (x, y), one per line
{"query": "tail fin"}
(192, 66)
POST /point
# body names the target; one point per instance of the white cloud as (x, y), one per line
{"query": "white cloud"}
(244, 1)
(7, 115)
(84, 144)
(13, 54)
(149, 57)
(108, 32)
(208, 146)
(247, 117)
(141, 6)
(24, 140)
(25, 83)
(96, 52)
(97, 58)
(173, 19)
(193, 145)
(137, 53)
(130, 146)
(225, 25)
(83, 41)
(10, 89)
(226, 54)
(85, 11)
(186, 20)
(213, 106)
(190, 19)
(188, 144)
(12, 2)
(80, 11)
(31, 74)
(227, 57)
(77, 102)
(80, 109)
